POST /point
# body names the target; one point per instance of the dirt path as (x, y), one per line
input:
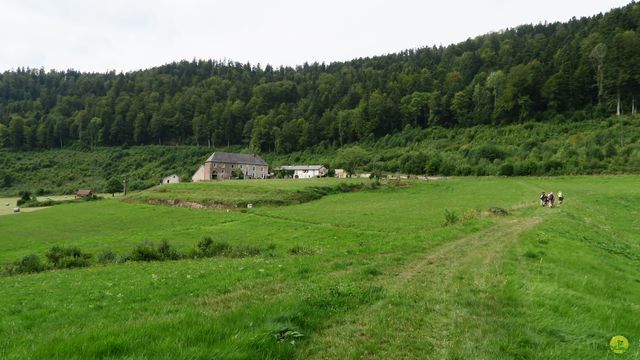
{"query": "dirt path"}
(438, 304)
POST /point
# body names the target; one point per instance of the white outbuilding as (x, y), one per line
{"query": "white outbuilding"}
(304, 171)
(171, 179)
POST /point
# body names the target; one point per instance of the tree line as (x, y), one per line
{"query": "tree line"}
(584, 68)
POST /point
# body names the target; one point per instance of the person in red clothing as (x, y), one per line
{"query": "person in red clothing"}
(543, 199)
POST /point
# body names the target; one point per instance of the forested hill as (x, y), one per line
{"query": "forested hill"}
(569, 71)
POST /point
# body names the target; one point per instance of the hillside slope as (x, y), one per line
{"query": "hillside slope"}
(371, 274)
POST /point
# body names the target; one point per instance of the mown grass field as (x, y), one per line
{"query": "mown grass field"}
(376, 274)
(231, 194)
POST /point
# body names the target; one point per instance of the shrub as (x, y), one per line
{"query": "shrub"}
(107, 257)
(113, 186)
(489, 152)
(25, 196)
(67, 258)
(5, 180)
(506, 170)
(26, 265)
(433, 166)
(145, 252)
(207, 247)
(245, 251)
(450, 217)
(148, 252)
(527, 167)
(41, 192)
(168, 252)
(300, 250)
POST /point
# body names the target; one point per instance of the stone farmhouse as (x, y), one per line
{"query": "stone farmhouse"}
(304, 171)
(221, 165)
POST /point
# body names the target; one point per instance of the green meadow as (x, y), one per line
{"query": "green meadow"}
(465, 268)
(233, 194)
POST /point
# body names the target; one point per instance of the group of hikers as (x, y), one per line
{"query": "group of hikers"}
(550, 199)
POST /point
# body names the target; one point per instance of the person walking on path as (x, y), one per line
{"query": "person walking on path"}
(543, 199)
(560, 198)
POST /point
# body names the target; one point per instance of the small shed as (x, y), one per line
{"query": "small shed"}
(84, 193)
(340, 173)
(171, 179)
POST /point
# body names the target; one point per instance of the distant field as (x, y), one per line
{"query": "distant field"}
(367, 274)
(8, 209)
(9, 203)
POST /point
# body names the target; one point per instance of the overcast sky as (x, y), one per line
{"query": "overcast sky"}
(125, 35)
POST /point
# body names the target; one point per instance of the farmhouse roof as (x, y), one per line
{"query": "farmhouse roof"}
(83, 192)
(300, 167)
(233, 158)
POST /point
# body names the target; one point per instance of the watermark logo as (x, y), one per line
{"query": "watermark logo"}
(619, 344)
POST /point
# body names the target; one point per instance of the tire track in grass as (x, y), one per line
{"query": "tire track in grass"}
(438, 306)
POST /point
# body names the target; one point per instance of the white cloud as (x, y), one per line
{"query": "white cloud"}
(127, 35)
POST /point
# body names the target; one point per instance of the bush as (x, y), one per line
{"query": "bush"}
(168, 252)
(526, 168)
(450, 217)
(107, 257)
(113, 186)
(25, 197)
(207, 247)
(67, 258)
(506, 170)
(145, 252)
(5, 180)
(245, 251)
(41, 192)
(148, 252)
(28, 264)
(300, 250)
(489, 152)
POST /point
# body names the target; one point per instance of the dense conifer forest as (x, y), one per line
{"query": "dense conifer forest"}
(546, 99)
(581, 69)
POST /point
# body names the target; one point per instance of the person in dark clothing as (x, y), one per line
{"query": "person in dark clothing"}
(543, 199)
(551, 199)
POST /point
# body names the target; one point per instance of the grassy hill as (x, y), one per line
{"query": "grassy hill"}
(377, 273)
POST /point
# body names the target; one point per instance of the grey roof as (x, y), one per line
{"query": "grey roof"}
(300, 167)
(232, 158)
